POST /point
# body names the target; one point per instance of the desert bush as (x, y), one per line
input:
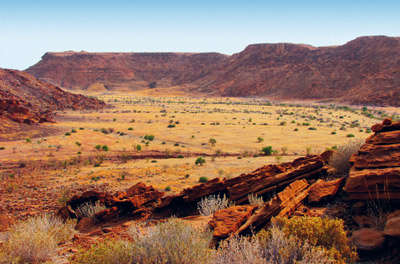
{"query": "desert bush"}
(200, 160)
(350, 135)
(97, 147)
(210, 204)
(272, 247)
(255, 200)
(149, 137)
(68, 134)
(260, 139)
(268, 151)
(89, 209)
(28, 140)
(203, 179)
(107, 251)
(212, 141)
(2, 148)
(104, 148)
(173, 241)
(36, 239)
(341, 156)
(319, 232)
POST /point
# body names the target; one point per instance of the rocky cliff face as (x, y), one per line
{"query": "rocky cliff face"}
(363, 71)
(25, 99)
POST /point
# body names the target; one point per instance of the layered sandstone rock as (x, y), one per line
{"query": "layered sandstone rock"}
(263, 181)
(324, 190)
(282, 205)
(227, 221)
(138, 200)
(376, 170)
(25, 99)
(363, 71)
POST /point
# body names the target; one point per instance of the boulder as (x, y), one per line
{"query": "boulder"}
(227, 221)
(392, 227)
(368, 239)
(324, 189)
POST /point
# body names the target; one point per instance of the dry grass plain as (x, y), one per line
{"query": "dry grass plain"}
(182, 128)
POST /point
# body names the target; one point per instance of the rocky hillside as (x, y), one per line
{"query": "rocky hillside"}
(363, 71)
(25, 99)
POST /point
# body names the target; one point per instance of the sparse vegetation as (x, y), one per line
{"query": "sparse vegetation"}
(210, 204)
(36, 239)
(341, 156)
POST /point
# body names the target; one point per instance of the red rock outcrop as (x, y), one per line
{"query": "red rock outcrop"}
(375, 173)
(227, 221)
(138, 200)
(283, 204)
(324, 189)
(263, 181)
(25, 99)
(363, 71)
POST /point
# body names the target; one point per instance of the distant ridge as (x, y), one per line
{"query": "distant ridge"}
(364, 71)
(25, 99)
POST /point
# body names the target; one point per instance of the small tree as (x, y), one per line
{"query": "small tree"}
(138, 148)
(260, 139)
(200, 161)
(97, 147)
(212, 141)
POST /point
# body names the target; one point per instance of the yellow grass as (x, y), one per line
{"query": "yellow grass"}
(239, 127)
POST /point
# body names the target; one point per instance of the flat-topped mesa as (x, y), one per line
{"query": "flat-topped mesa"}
(80, 70)
(375, 173)
(364, 71)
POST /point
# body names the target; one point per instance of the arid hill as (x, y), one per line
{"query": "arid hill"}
(363, 71)
(25, 99)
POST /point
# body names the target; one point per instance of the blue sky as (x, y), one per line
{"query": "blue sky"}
(28, 29)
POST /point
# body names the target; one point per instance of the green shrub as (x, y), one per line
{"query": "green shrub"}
(200, 161)
(180, 156)
(168, 188)
(74, 131)
(138, 147)
(203, 179)
(171, 125)
(296, 129)
(349, 135)
(268, 151)
(333, 133)
(68, 134)
(28, 140)
(320, 232)
(260, 139)
(130, 128)
(97, 147)
(149, 137)
(312, 128)
(104, 148)
(2, 148)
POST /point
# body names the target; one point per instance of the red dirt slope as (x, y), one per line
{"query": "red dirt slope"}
(25, 99)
